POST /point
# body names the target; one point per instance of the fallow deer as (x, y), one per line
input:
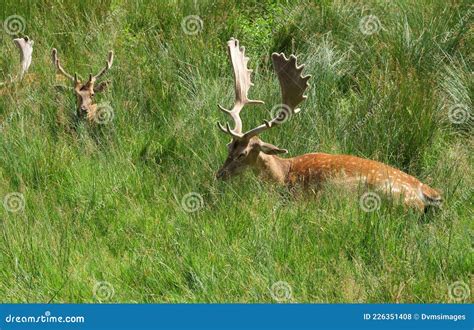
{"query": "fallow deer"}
(313, 170)
(25, 46)
(84, 91)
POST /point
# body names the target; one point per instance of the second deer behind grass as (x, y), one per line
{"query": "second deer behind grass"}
(85, 91)
(313, 170)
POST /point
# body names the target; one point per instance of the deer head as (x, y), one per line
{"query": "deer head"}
(245, 149)
(85, 90)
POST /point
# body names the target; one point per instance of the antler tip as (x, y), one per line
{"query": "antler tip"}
(110, 60)
(223, 109)
(279, 55)
(220, 126)
(300, 67)
(233, 42)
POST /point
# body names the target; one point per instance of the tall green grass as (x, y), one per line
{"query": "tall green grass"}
(104, 203)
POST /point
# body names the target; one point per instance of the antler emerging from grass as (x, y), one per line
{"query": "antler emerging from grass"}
(26, 51)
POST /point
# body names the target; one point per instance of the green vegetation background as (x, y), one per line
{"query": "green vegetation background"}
(105, 203)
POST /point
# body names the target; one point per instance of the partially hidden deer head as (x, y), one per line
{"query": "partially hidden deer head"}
(85, 90)
(313, 170)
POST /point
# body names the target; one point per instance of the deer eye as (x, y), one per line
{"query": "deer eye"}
(242, 155)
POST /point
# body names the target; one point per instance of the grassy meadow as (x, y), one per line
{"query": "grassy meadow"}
(130, 210)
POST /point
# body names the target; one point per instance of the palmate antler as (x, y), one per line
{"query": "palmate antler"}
(292, 83)
(25, 45)
(242, 85)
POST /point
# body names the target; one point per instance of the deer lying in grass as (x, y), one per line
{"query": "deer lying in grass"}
(86, 107)
(25, 45)
(308, 170)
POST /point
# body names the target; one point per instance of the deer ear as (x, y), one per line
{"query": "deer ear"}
(270, 149)
(102, 86)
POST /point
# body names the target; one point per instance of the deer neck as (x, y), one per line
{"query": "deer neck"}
(273, 167)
